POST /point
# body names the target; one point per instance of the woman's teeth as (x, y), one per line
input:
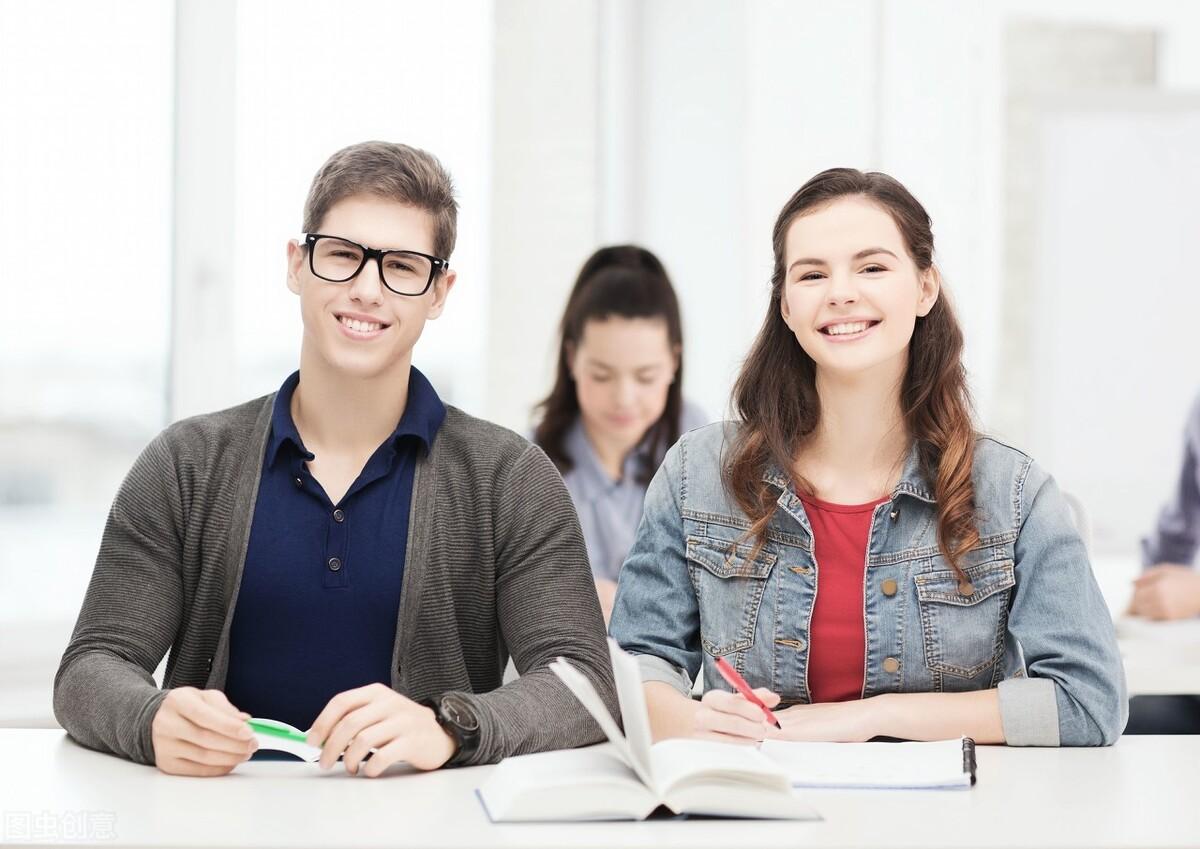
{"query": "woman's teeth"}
(847, 328)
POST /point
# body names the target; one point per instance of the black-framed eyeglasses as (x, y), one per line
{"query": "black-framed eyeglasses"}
(339, 260)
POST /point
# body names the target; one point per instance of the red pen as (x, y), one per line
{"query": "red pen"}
(739, 683)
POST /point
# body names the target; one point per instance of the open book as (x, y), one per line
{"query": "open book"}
(937, 765)
(630, 778)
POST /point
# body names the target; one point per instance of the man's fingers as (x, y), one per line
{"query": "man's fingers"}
(209, 739)
(350, 726)
(174, 727)
(179, 766)
(221, 702)
(333, 713)
(189, 751)
(372, 737)
(392, 753)
(201, 713)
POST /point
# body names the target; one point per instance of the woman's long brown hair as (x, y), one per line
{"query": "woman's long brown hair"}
(776, 396)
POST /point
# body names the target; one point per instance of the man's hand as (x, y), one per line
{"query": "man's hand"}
(377, 717)
(199, 733)
(1167, 591)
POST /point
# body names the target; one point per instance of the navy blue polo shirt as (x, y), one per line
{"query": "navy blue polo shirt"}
(320, 593)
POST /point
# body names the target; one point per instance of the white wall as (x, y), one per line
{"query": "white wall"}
(546, 192)
(1116, 296)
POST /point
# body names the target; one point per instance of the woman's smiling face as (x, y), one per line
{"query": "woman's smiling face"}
(851, 291)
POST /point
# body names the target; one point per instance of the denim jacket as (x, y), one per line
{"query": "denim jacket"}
(1029, 619)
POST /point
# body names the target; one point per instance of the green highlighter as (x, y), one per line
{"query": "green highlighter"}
(281, 737)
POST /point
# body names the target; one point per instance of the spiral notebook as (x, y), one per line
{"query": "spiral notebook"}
(936, 765)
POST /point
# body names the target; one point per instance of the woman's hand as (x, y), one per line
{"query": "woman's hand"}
(829, 722)
(730, 718)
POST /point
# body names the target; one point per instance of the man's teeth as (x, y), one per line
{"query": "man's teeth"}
(848, 328)
(360, 326)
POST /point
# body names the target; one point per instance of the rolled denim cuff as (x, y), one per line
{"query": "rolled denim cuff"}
(656, 669)
(1029, 712)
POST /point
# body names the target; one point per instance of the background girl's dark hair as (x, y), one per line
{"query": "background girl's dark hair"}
(776, 396)
(628, 282)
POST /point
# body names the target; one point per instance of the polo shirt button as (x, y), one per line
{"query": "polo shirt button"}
(298, 482)
(888, 587)
(890, 664)
(334, 564)
(339, 516)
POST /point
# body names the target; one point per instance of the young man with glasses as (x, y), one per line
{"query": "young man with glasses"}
(348, 555)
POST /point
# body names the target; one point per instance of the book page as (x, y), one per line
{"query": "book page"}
(583, 690)
(634, 714)
(594, 783)
(678, 761)
(911, 765)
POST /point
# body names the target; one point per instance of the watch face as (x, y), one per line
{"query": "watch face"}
(460, 713)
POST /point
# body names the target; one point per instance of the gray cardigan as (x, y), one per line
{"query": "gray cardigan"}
(495, 564)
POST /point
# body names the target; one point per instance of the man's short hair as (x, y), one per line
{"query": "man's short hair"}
(396, 172)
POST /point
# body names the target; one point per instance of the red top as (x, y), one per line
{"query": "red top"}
(837, 642)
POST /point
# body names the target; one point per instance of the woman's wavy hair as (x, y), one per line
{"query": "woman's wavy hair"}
(630, 282)
(775, 395)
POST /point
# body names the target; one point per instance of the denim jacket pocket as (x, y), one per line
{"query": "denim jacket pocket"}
(963, 623)
(729, 587)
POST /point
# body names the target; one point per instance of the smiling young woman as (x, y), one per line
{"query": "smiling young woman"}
(852, 545)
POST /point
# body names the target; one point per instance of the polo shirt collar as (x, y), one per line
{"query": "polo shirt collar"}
(423, 416)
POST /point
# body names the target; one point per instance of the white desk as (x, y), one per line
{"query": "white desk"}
(1143, 792)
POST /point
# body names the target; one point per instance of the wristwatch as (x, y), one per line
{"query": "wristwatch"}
(457, 718)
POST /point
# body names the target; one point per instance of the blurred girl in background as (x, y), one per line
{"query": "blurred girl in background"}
(617, 403)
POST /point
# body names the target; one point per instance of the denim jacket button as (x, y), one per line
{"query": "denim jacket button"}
(890, 664)
(965, 588)
(888, 587)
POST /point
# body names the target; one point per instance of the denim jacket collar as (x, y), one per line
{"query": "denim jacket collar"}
(912, 481)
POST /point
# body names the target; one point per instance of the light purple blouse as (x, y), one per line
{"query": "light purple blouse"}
(609, 511)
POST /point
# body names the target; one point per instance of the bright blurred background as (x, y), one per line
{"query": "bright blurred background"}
(154, 157)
